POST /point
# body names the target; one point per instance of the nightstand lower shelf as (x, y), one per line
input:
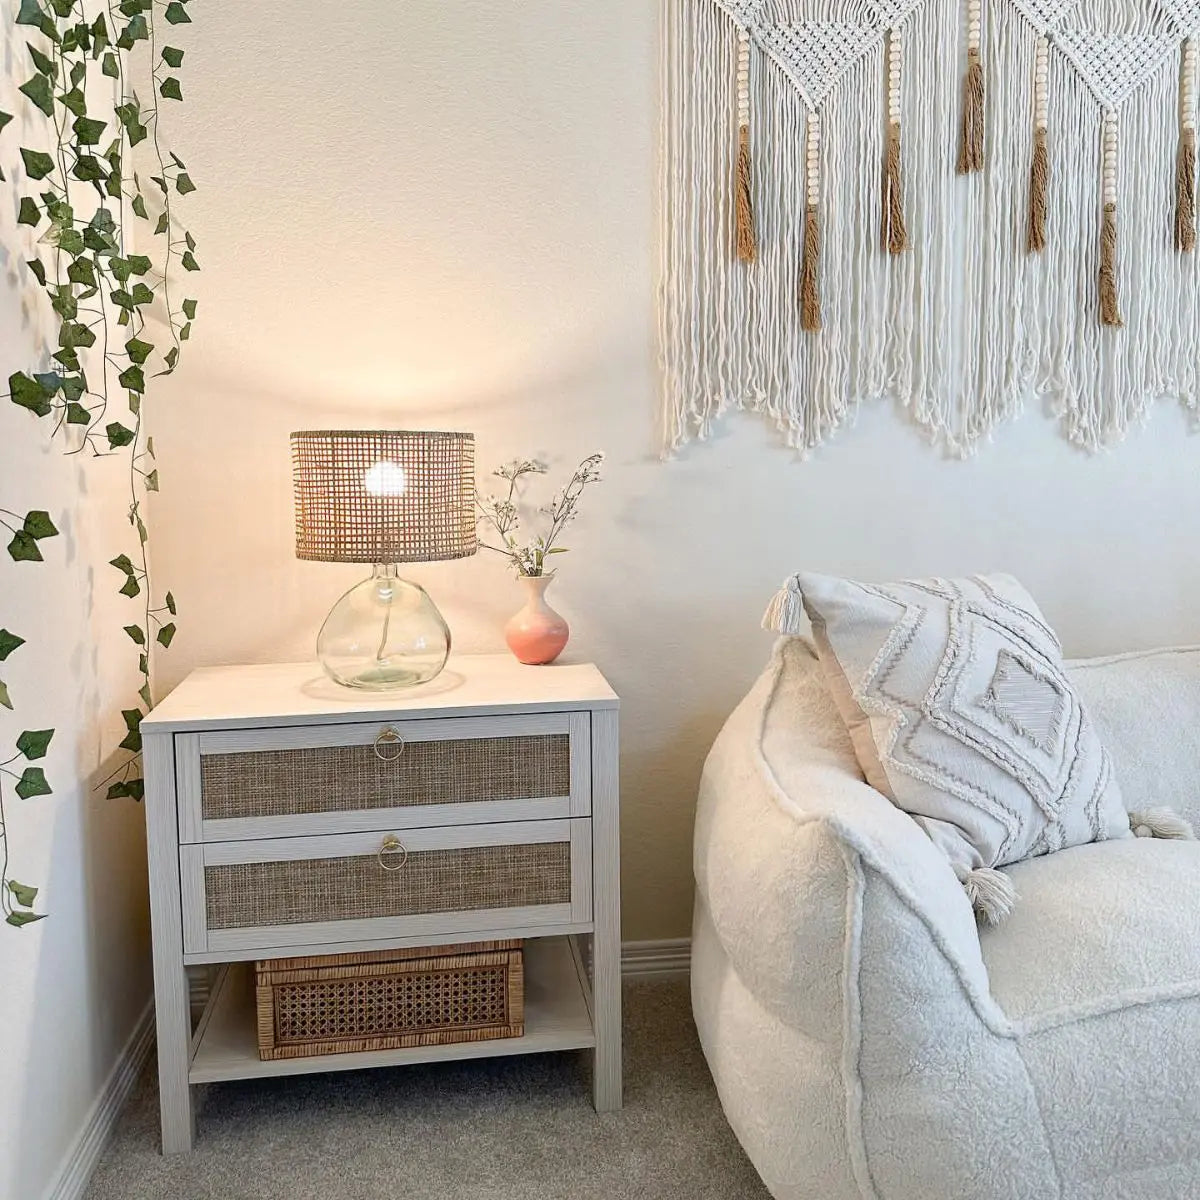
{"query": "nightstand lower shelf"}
(557, 1017)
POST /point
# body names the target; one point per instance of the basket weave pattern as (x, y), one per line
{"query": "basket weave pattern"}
(351, 1003)
(424, 512)
(273, 783)
(252, 895)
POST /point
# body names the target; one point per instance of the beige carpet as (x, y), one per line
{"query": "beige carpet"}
(499, 1129)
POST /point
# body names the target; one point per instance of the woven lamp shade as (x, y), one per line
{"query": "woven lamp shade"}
(384, 496)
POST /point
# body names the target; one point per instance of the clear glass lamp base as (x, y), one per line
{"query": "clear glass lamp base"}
(384, 633)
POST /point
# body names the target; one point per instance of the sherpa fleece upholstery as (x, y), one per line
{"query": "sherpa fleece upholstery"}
(868, 1041)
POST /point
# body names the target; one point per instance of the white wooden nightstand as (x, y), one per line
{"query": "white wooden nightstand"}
(270, 795)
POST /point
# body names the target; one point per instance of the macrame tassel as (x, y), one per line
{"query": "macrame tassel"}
(810, 269)
(970, 152)
(747, 244)
(991, 893)
(1039, 172)
(1185, 175)
(1110, 307)
(1161, 823)
(785, 613)
(895, 233)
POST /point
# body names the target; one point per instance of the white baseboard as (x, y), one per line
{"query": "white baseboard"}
(668, 959)
(84, 1156)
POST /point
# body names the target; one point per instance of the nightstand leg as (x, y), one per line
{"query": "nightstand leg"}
(606, 904)
(172, 1008)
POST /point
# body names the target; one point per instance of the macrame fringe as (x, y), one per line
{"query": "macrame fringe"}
(1161, 823)
(1039, 184)
(970, 151)
(810, 267)
(747, 242)
(1185, 188)
(785, 614)
(991, 893)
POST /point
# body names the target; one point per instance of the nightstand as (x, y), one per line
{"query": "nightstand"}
(278, 806)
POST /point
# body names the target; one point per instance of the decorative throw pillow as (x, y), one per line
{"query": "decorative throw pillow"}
(961, 713)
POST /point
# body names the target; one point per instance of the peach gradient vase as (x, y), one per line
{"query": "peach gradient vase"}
(537, 634)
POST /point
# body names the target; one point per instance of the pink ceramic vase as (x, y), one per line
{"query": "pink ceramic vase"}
(537, 634)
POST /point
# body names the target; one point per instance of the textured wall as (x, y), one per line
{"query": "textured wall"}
(444, 216)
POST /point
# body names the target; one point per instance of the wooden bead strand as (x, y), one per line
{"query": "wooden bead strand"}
(1185, 183)
(1039, 175)
(747, 242)
(970, 151)
(810, 267)
(1110, 308)
(895, 233)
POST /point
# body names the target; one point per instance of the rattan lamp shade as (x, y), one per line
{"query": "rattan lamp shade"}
(384, 496)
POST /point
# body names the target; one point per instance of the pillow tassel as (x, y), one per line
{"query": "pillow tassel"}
(991, 893)
(1161, 823)
(785, 613)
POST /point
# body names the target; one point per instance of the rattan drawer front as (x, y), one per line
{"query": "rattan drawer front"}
(333, 779)
(298, 891)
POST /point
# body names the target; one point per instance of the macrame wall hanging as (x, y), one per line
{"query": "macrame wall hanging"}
(962, 205)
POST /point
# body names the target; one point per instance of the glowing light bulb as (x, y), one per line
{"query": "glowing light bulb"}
(386, 478)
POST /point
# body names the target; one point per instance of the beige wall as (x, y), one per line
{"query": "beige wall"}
(422, 214)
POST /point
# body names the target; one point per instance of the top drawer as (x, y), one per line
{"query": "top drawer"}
(259, 783)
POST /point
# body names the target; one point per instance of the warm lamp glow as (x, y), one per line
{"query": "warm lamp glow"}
(386, 478)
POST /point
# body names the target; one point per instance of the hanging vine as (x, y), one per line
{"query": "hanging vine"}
(80, 193)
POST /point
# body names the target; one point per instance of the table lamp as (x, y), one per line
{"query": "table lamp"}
(384, 497)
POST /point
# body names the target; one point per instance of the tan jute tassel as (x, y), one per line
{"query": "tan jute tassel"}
(895, 233)
(747, 242)
(810, 266)
(1110, 307)
(970, 151)
(1185, 172)
(1039, 172)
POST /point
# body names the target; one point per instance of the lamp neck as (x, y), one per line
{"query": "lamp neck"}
(384, 571)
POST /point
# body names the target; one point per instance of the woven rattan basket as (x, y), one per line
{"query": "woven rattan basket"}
(390, 999)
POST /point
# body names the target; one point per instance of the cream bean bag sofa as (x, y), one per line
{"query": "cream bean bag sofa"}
(869, 1040)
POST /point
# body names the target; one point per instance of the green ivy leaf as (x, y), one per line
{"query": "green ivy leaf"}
(74, 101)
(77, 414)
(74, 335)
(28, 393)
(166, 634)
(62, 7)
(139, 207)
(144, 692)
(185, 332)
(123, 563)
(132, 718)
(33, 743)
(37, 164)
(133, 739)
(23, 918)
(30, 13)
(131, 587)
(171, 358)
(136, 633)
(64, 302)
(172, 57)
(41, 61)
(89, 131)
(37, 269)
(171, 604)
(169, 89)
(49, 382)
(139, 264)
(138, 350)
(79, 70)
(122, 299)
(118, 435)
(38, 525)
(189, 309)
(176, 14)
(142, 294)
(188, 262)
(71, 241)
(23, 548)
(108, 66)
(150, 446)
(143, 664)
(82, 272)
(4, 696)
(191, 241)
(24, 896)
(73, 387)
(184, 184)
(29, 213)
(39, 91)
(88, 169)
(10, 642)
(161, 226)
(33, 783)
(152, 481)
(133, 378)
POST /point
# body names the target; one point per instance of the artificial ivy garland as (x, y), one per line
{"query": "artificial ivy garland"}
(101, 296)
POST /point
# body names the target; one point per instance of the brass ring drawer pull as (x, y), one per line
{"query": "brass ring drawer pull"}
(392, 845)
(389, 746)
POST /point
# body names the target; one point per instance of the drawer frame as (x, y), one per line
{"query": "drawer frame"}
(189, 747)
(198, 939)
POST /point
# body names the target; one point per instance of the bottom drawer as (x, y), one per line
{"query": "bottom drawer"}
(389, 999)
(242, 896)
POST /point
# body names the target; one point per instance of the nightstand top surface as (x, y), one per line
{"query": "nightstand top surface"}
(301, 694)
